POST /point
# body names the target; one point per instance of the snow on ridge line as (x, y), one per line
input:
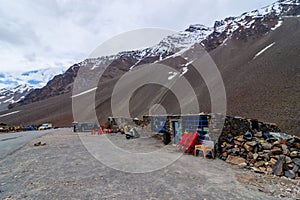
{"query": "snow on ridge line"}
(277, 25)
(264, 49)
(85, 92)
(11, 113)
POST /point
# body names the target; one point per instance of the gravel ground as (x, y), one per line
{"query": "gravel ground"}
(64, 169)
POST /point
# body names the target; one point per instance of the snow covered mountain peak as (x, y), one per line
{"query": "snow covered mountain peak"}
(15, 86)
(13, 95)
(35, 78)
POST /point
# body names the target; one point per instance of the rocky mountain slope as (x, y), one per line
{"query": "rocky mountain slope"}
(257, 54)
(13, 95)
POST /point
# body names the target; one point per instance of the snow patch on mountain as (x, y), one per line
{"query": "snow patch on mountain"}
(263, 50)
(277, 25)
(35, 78)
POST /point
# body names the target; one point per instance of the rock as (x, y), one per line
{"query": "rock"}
(297, 145)
(256, 170)
(266, 151)
(259, 164)
(229, 139)
(224, 154)
(296, 161)
(252, 143)
(258, 134)
(235, 160)
(243, 164)
(276, 150)
(272, 162)
(250, 156)
(269, 170)
(290, 166)
(266, 146)
(252, 161)
(262, 169)
(265, 156)
(296, 168)
(276, 143)
(266, 135)
(37, 143)
(235, 151)
(275, 157)
(248, 147)
(237, 142)
(285, 149)
(255, 156)
(240, 139)
(288, 160)
(248, 135)
(290, 174)
(277, 168)
(294, 154)
(288, 189)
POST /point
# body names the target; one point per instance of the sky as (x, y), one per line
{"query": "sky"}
(58, 33)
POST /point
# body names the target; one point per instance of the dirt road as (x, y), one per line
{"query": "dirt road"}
(64, 169)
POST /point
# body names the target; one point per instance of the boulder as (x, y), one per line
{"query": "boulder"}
(243, 164)
(276, 143)
(240, 139)
(237, 142)
(294, 154)
(290, 174)
(269, 170)
(235, 160)
(257, 170)
(288, 160)
(235, 151)
(252, 143)
(266, 146)
(258, 134)
(255, 156)
(278, 166)
(296, 168)
(259, 164)
(265, 156)
(276, 150)
(296, 161)
(272, 162)
(248, 147)
(285, 149)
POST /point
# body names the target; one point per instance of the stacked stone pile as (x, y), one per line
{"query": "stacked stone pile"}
(259, 146)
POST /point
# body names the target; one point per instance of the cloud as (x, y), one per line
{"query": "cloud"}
(38, 35)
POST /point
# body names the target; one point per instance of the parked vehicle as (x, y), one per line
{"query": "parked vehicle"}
(29, 128)
(133, 133)
(4, 127)
(45, 126)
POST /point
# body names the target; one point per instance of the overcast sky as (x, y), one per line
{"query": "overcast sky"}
(62, 32)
